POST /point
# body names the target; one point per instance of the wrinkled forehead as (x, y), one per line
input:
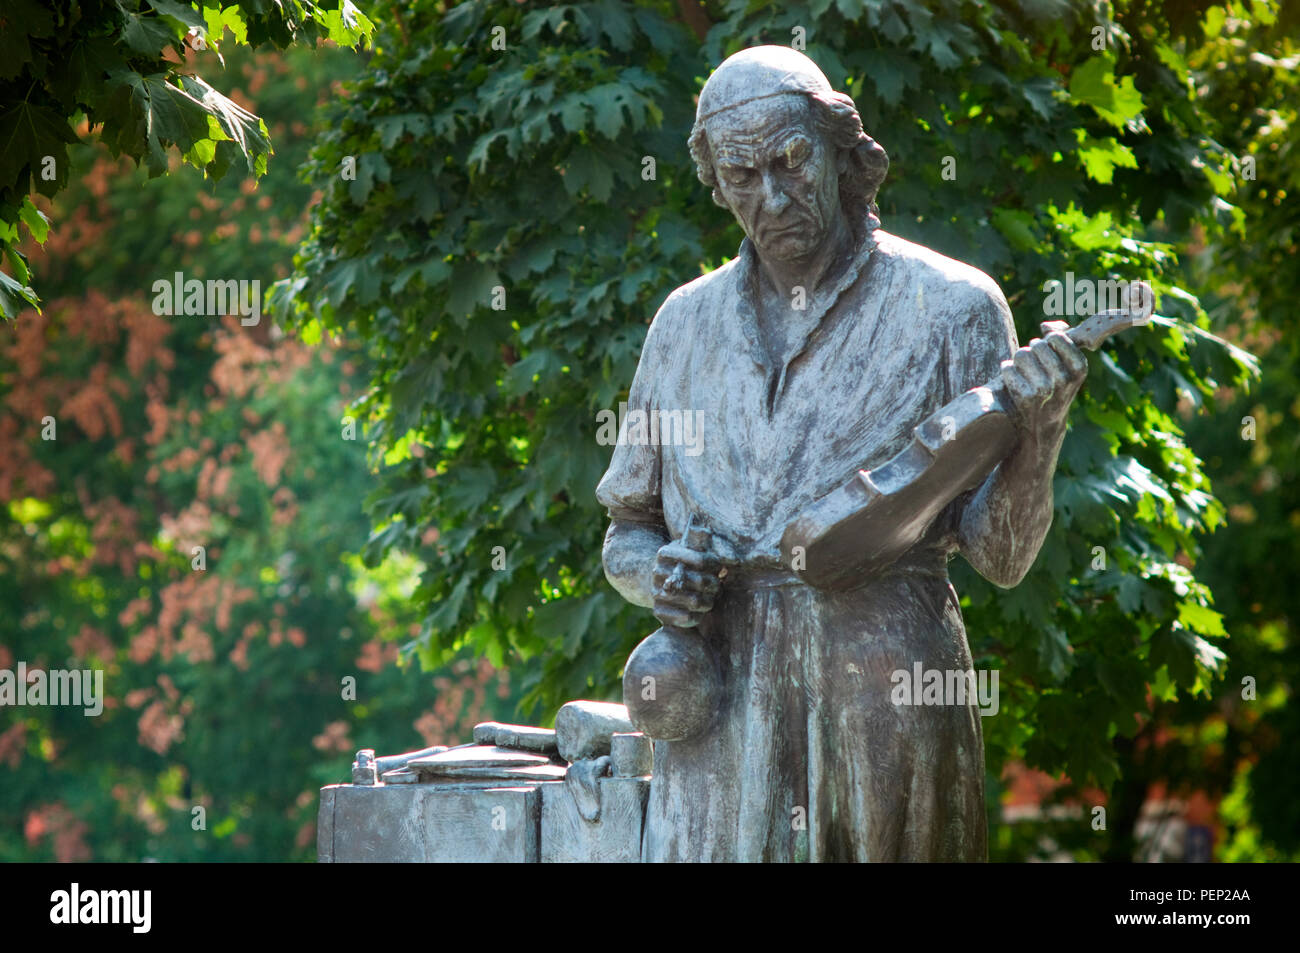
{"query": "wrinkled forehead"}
(745, 133)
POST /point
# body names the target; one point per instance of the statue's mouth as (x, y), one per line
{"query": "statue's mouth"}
(789, 228)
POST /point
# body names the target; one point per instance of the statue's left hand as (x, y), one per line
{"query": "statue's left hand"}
(1042, 379)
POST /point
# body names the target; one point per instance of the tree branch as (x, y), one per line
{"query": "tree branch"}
(694, 16)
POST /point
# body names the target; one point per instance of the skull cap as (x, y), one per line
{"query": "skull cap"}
(759, 72)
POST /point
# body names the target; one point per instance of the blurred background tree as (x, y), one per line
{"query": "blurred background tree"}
(1238, 751)
(224, 666)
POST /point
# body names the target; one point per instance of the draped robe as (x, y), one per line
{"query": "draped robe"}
(808, 758)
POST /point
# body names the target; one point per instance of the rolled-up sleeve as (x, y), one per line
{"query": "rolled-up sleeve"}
(632, 487)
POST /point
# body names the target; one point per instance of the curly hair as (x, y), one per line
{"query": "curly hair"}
(835, 115)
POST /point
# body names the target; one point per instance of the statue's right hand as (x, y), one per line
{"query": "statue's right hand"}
(685, 584)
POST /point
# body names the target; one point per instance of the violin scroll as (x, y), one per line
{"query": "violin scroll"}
(1091, 332)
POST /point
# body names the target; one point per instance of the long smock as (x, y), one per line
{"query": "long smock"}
(808, 757)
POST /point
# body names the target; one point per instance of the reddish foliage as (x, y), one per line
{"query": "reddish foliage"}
(68, 833)
(12, 744)
(335, 738)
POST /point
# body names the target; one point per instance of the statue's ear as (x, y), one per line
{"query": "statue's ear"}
(842, 159)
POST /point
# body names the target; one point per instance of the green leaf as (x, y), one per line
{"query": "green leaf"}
(573, 112)
(23, 19)
(1201, 619)
(14, 296)
(347, 26)
(587, 172)
(245, 130)
(219, 20)
(891, 72)
(471, 288)
(29, 133)
(181, 12)
(563, 623)
(149, 35)
(540, 363)
(35, 220)
(1101, 156)
(1093, 84)
(1042, 93)
(1054, 651)
(342, 278)
(1215, 17)
(607, 103)
(481, 152)
(1093, 232)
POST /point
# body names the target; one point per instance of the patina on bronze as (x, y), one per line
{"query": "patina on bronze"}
(812, 355)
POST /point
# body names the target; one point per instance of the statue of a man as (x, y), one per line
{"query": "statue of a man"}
(812, 354)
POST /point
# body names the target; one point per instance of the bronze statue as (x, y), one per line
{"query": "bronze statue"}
(811, 357)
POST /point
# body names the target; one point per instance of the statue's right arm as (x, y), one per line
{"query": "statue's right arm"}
(631, 548)
(631, 488)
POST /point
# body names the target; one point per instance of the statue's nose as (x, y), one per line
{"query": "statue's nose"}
(775, 198)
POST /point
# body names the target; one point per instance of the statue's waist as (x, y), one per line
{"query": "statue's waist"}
(925, 561)
(757, 577)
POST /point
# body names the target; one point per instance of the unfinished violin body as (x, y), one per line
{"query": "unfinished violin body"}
(858, 530)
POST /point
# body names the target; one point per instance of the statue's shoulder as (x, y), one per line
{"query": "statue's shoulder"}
(696, 301)
(960, 282)
(721, 282)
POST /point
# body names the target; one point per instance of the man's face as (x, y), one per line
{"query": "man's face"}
(777, 174)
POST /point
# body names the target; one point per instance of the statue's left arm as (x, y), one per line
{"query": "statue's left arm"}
(1004, 523)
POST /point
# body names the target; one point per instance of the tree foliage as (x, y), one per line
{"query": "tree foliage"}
(539, 154)
(124, 71)
(1238, 743)
(223, 665)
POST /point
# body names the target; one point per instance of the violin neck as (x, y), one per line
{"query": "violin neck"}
(1091, 332)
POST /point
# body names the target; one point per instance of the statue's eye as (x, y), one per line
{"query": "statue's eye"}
(796, 153)
(737, 175)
